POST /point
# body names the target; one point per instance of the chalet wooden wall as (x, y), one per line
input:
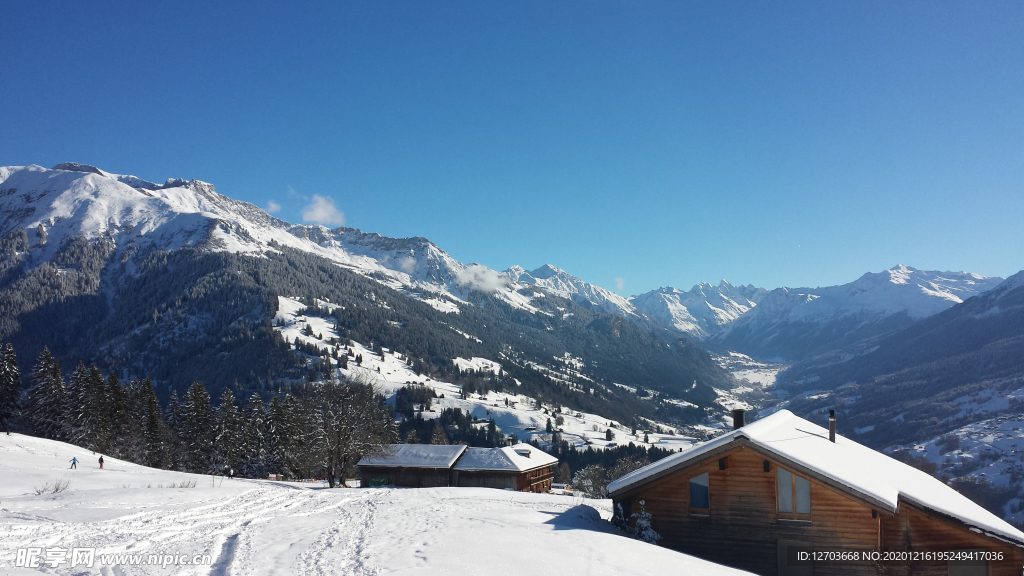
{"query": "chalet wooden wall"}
(407, 477)
(484, 479)
(916, 530)
(743, 528)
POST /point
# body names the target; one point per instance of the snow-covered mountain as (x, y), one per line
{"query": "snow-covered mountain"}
(561, 283)
(703, 311)
(138, 217)
(793, 323)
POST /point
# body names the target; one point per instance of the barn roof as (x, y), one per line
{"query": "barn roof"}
(518, 458)
(417, 456)
(845, 464)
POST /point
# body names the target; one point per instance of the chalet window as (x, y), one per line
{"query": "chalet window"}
(700, 501)
(794, 496)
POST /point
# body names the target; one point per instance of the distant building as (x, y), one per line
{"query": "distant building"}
(758, 496)
(411, 465)
(521, 467)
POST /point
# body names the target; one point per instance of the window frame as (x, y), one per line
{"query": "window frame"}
(792, 515)
(694, 511)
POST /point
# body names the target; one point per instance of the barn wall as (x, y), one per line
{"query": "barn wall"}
(500, 480)
(407, 477)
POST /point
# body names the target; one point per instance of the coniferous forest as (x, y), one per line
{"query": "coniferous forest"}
(317, 429)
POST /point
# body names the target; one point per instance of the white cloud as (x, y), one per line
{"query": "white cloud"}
(407, 264)
(481, 278)
(273, 206)
(323, 211)
(620, 284)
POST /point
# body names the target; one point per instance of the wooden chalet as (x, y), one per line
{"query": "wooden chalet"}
(759, 496)
(521, 467)
(411, 465)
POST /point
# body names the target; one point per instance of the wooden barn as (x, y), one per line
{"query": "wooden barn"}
(784, 496)
(521, 467)
(411, 465)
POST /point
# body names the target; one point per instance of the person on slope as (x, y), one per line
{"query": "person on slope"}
(74, 463)
(101, 462)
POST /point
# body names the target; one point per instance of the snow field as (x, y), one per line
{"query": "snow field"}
(253, 527)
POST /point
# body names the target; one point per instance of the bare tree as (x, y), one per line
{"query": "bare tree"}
(348, 420)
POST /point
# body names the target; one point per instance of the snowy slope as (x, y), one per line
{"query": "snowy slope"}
(516, 414)
(561, 283)
(259, 527)
(703, 311)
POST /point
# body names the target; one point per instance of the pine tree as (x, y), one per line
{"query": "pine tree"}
(438, 436)
(197, 430)
(44, 400)
(279, 437)
(10, 388)
(153, 431)
(173, 416)
(228, 440)
(121, 440)
(96, 402)
(255, 456)
(74, 421)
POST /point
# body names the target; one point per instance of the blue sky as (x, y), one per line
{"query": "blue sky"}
(660, 143)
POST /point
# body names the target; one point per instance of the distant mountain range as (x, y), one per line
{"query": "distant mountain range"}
(181, 283)
(126, 222)
(957, 366)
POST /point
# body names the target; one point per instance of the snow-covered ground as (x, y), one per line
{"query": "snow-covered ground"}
(991, 450)
(521, 416)
(749, 371)
(260, 527)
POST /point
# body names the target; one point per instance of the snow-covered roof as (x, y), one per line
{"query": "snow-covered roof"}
(866, 473)
(417, 456)
(518, 458)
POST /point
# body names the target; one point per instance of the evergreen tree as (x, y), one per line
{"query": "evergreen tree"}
(123, 439)
(173, 417)
(228, 440)
(197, 430)
(156, 455)
(95, 406)
(412, 437)
(45, 398)
(256, 452)
(74, 417)
(279, 434)
(10, 388)
(438, 436)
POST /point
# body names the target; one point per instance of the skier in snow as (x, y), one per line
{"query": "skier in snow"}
(101, 462)
(74, 463)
